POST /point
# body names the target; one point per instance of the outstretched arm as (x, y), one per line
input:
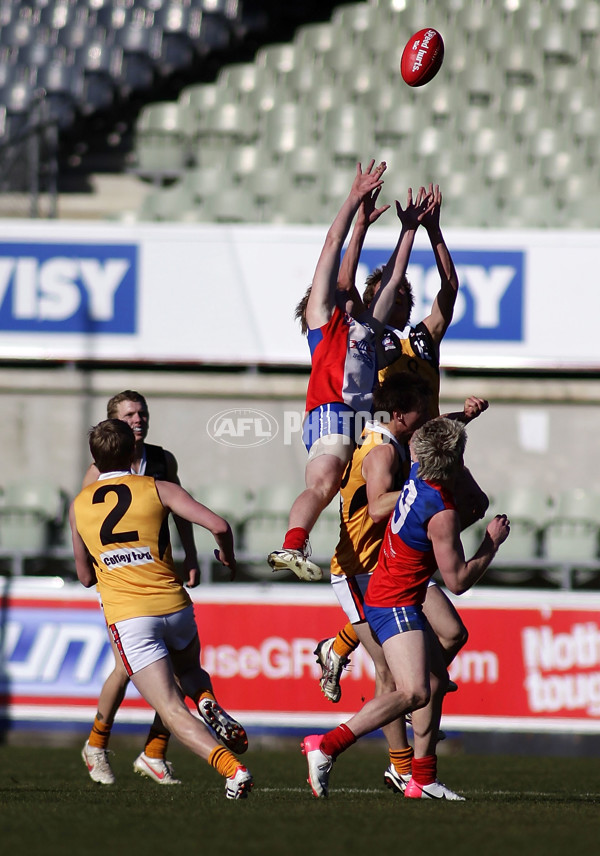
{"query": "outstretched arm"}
(182, 504)
(438, 321)
(322, 296)
(368, 214)
(395, 270)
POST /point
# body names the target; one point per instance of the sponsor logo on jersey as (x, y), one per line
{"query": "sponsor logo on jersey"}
(127, 558)
(68, 288)
(362, 351)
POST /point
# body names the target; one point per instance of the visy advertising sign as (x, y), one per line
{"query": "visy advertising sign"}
(69, 288)
(489, 304)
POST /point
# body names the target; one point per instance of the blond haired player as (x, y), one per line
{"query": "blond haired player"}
(121, 543)
(370, 489)
(422, 535)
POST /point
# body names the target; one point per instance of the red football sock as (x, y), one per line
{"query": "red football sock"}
(424, 770)
(337, 741)
(295, 538)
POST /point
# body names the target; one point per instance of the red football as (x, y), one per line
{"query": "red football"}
(422, 57)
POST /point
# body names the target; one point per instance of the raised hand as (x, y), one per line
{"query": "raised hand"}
(368, 212)
(431, 220)
(368, 181)
(411, 217)
(474, 407)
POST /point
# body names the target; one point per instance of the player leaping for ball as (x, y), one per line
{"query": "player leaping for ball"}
(344, 367)
(404, 348)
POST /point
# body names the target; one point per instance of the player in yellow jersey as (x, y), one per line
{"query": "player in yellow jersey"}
(121, 543)
(149, 460)
(403, 348)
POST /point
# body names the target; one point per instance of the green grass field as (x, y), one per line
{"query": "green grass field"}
(515, 805)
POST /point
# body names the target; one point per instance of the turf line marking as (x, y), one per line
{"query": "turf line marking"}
(307, 790)
(470, 794)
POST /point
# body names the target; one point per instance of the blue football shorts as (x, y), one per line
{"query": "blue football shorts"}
(328, 420)
(388, 621)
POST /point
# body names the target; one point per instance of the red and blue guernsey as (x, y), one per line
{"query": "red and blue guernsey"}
(344, 366)
(406, 560)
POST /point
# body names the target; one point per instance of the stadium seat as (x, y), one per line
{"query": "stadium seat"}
(267, 185)
(348, 132)
(227, 123)
(161, 151)
(313, 41)
(100, 66)
(58, 81)
(226, 498)
(558, 43)
(18, 99)
(169, 204)
(240, 79)
(31, 513)
(570, 546)
(141, 50)
(521, 66)
(177, 26)
(304, 164)
(243, 160)
(277, 61)
(23, 530)
(586, 20)
(472, 212)
(395, 127)
(233, 205)
(353, 20)
(577, 503)
(302, 205)
(286, 127)
(525, 502)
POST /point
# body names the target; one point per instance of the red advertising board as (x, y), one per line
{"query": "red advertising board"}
(532, 661)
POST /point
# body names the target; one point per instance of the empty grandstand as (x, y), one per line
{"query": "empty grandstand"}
(277, 99)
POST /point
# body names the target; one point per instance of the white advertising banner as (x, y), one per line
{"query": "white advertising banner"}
(221, 294)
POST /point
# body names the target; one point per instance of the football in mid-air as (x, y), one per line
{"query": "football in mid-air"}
(422, 57)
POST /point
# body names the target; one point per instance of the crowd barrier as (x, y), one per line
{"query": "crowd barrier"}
(532, 662)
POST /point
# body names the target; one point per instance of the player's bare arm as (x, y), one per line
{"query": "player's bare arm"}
(459, 574)
(322, 296)
(378, 470)
(191, 566)
(348, 294)
(442, 310)
(394, 271)
(473, 408)
(84, 566)
(180, 503)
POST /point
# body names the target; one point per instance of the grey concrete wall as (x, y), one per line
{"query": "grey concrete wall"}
(537, 432)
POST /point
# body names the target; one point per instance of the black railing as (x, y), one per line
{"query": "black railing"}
(29, 165)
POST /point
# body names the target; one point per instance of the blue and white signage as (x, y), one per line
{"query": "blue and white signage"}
(489, 305)
(225, 294)
(68, 288)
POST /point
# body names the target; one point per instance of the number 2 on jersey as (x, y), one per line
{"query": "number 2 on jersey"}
(114, 516)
